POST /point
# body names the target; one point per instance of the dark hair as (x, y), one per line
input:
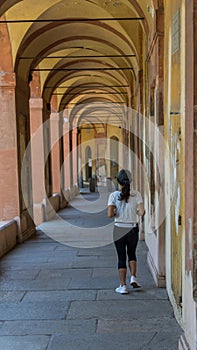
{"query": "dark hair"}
(124, 179)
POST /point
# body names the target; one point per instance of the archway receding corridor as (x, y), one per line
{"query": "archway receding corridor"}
(90, 87)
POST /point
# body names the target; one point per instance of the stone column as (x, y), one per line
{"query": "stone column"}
(9, 203)
(37, 155)
(74, 155)
(55, 152)
(66, 155)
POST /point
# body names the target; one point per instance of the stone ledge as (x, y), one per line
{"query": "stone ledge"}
(8, 234)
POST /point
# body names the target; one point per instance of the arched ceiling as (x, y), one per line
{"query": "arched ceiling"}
(85, 50)
(7, 4)
(99, 111)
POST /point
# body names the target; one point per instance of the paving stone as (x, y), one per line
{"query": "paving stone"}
(102, 251)
(108, 259)
(38, 246)
(136, 294)
(32, 248)
(137, 325)
(63, 247)
(61, 258)
(164, 341)
(33, 310)
(101, 341)
(67, 295)
(38, 284)
(19, 274)
(26, 258)
(93, 262)
(10, 296)
(36, 265)
(64, 273)
(86, 262)
(19, 265)
(48, 327)
(71, 235)
(93, 283)
(105, 272)
(24, 342)
(41, 257)
(129, 308)
(64, 253)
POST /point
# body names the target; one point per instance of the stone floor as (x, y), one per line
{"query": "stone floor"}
(59, 294)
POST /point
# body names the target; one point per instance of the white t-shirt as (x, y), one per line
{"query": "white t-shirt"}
(126, 213)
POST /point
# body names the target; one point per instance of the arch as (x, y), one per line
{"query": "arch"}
(5, 5)
(6, 62)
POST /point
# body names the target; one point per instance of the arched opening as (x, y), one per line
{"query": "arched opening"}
(114, 156)
(88, 163)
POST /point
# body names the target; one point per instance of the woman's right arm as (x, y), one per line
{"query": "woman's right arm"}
(111, 205)
(111, 211)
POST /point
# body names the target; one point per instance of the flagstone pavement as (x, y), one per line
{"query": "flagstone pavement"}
(57, 290)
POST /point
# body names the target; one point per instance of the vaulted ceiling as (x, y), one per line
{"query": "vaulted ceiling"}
(85, 50)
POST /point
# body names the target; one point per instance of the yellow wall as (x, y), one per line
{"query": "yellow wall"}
(98, 139)
(174, 121)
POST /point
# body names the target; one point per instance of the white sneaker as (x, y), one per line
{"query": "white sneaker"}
(122, 290)
(134, 283)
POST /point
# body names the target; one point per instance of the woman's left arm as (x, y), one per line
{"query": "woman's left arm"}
(140, 209)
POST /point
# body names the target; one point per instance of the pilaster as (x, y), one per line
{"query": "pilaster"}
(55, 151)
(38, 162)
(74, 155)
(66, 155)
(9, 204)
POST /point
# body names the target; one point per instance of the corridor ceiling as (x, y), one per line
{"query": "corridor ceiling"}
(85, 50)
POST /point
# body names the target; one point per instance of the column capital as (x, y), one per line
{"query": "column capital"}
(75, 131)
(7, 80)
(35, 102)
(54, 116)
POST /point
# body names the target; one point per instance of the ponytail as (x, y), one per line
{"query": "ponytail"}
(125, 192)
(124, 179)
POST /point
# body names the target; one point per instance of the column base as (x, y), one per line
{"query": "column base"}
(183, 344)
(38, 213)
(26, 225)
(159, 279)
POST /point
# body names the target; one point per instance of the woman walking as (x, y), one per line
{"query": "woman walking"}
(126, 205)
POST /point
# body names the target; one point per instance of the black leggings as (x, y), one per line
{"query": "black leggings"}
(126, 243)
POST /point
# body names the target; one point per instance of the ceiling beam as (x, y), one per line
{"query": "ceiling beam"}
(70, 20)
(77, 69)
(81, 57)
(88, 93)
(86, 86)
(84, 102)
